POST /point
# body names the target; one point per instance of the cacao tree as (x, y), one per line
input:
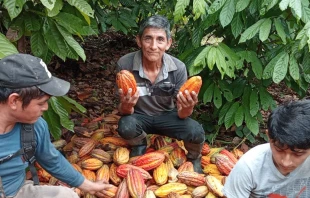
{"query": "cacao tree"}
(241, 47)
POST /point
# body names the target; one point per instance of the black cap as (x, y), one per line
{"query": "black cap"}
(23, 70)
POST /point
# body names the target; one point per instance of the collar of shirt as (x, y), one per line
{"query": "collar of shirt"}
(168, 65)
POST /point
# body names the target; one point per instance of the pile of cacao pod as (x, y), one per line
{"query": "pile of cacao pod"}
(97, 152)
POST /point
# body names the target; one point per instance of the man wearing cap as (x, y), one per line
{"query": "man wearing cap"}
(25, 87)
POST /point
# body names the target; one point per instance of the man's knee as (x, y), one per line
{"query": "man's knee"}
(197, 133)
(127, 127)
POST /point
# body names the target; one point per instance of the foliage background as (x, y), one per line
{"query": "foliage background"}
(239, 47)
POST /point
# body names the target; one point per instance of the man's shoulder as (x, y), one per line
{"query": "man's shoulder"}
(128, 56)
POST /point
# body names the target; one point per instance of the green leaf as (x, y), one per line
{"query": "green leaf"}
(242, 4)
(223, 112)
(53, 123)
(32, 22)
(208, 94)
(227, 13)
(56, 9)
(284, 4)
(305, 14)
(201, 57)
(6, 47)
(180, 9)
(251, 123)
(82, 6)
(237, 26)
(296, 6)
(199, 8)
(268, 71)
(230, 115)
(62, 113)
(220, 62)
(79, 107)
(54, 39)
(14, 7)
(251, 31)
(294, 68)
(197, 37)
(215, 6)
(38, 45)
(280, 29)
(266, 99)
(225, 87)
(264, 30)
(72, 42)
(254, 104)
(49, 4)
(212, 57)
(239, 116)
(73, 24)
(217, 97)
(280, 68)
(257, 66)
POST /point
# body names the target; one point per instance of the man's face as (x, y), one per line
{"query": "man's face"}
(32, 112)
(287, 160)
(153, 44)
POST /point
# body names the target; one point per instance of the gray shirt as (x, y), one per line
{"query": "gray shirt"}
(255, 175)
(157, 98)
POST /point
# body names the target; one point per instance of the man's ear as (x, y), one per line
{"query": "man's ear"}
(169, 44)
(12, 101)
(138, 40)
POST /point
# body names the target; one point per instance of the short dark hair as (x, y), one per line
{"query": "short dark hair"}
(26, 94)
(289, 125)
(156, 21)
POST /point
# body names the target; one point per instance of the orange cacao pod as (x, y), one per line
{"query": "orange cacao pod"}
(90, 175)
(102, 155)
(109, 191)
(165, 189)
(237, 152)
(160, 174)
(122, 191)
(177, 156)
(192, 84)
(224, 164)
(91, 164)
(192, 178)
(211, 169)
(87, 148)
(174, 195)
(103, 174)
(113, 175)
(205, 149)
(200, 191)
(149, 161)
(230, 155)
(126, 80)
(123, 169)
(121, 156)
(135, 183)
(117, 141)
(205, 160)
(186, 166)
(214, 185)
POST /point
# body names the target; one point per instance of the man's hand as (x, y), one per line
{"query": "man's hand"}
(93, 187)
(186, 103)
(127, 102)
